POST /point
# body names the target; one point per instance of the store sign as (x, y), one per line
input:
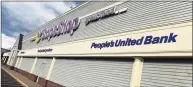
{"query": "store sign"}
(104, 14)
(22, 52)
(145, 40)
(63, 28)
(44, 50)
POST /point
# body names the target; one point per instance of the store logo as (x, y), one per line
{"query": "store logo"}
(37, 39)
(171, 38)
(63, 28)
(104, 14)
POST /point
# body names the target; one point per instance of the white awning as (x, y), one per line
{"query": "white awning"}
(6, 54)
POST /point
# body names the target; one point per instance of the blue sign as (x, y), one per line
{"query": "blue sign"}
(144, 40)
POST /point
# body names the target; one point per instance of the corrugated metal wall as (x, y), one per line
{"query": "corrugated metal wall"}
(17, 62)
(167, 73)
(11, 61)
(26, 63)
(140, 15)
(42, 67)
(84, 10)
(92, 72)
(8, 61)
(12, 57)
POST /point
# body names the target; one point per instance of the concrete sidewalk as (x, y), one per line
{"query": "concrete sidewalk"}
(20, 78)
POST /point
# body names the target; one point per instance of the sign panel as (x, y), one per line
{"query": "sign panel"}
(104, 14)
(171, 38)
(44, 50)
(70, 26)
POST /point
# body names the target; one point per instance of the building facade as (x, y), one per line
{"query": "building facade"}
(114, 44)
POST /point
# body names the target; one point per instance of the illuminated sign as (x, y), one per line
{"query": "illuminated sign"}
(63, 28)
(104, 14)
(45, 50)
(132, 42)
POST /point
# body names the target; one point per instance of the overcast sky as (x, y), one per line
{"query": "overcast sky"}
(23, 17)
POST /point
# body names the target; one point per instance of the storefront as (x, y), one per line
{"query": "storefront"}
(118, 44)
(5, 57)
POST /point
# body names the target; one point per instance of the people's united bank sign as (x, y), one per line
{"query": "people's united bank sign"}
(71, 26)
(144, 40)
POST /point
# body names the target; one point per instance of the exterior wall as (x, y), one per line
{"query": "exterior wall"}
(42, 67)
(142, 19)
(14, 51)
(167, 72)
(182, 46)
(82, 11)
(14, 57)
(17, 62)
(140, 15)
(8, 61)
(72, 72)
(26, 63)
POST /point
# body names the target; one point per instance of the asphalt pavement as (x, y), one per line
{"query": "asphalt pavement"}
(8, 81)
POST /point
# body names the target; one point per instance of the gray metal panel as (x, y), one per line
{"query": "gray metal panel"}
(42, 67)
(93, 6)
(9, 60)
(92, 73)
(27, 63)
(20, 60)
(17, 62)
(140, 15)
(12, 57)
(167, 73)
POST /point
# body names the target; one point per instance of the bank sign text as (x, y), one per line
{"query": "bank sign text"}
(144, 40)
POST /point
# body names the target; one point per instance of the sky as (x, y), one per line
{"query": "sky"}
(23, 17)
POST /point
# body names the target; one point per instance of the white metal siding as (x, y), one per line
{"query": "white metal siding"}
(42, 67)
(17, 62)
(167, 73)
(27, 63)
(11, 61)
(92, 72)
(82, 11)
(8, 61)
(12, 58)
(140, 15)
